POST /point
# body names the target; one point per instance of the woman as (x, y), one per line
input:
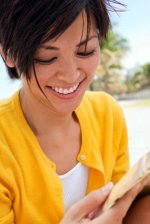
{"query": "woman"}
(57, 141)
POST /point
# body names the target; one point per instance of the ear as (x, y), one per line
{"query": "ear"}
(7, 59)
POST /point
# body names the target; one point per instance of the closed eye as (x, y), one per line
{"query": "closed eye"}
(86, 54)
(51, 60)
(45, 62)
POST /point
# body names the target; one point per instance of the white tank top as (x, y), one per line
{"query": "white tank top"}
(74, 184)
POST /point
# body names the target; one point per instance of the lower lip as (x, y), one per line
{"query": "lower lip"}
(69, 95)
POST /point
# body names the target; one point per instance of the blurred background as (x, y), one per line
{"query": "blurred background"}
(124, 72)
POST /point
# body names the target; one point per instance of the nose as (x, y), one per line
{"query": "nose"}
(69, 71)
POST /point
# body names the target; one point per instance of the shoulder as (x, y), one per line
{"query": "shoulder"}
(3, 104)
(8, 117)
(101, 103)
(100, 98)
(102, 112)
(6, 105)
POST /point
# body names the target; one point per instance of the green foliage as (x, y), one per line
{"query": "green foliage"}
(115, 42)
(146, 70)
(140, 79)
(108, 76)
(115, 66)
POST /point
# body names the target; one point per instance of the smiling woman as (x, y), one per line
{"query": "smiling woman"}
(63, 69)
(58, 142)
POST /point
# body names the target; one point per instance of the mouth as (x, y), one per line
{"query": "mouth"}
(66, 91)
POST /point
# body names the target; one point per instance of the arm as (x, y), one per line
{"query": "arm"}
(90, 209)
(139, 212)
(6, 211)
(122, 159)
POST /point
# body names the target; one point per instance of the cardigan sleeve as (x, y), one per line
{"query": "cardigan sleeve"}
(122, 159)
(6, 210)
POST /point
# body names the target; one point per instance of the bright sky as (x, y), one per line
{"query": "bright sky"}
(132, 25)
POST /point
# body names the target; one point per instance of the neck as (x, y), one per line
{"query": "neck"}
(42, 119)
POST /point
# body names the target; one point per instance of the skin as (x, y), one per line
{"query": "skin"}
(84, 210)
(139, 212)
(71, 67)
(68, 68)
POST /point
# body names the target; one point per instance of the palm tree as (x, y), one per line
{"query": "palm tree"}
(140, 79)
(108, 75)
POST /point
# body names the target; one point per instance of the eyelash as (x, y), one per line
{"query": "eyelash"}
(45, 62)
(86, 54)
(51, 60)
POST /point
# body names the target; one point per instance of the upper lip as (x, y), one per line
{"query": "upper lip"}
(67, 86)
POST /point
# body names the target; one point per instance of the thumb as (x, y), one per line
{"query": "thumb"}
(92, 201)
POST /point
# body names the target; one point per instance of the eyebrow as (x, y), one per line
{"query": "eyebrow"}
(83, 42)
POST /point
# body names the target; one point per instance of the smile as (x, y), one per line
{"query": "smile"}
(65, 91)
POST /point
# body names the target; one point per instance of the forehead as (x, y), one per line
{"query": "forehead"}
(77, 31)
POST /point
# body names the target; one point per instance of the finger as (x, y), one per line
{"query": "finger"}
(116, 214)
(129, 197)
(145, 182)
(92, 201)
(124, 204)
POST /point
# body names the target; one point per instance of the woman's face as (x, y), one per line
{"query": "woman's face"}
(64, 69)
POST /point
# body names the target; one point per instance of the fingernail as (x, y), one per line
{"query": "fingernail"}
(107, 187)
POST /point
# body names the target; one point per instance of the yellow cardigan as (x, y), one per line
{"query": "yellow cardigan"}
(30, 189)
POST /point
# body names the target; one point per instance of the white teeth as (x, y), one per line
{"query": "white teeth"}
(65, 91)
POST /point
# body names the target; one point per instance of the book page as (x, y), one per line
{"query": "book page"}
(140, 170)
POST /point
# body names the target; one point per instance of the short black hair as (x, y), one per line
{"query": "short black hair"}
(24, 24)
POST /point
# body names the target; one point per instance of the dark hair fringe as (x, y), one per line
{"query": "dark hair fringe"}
(25, 24)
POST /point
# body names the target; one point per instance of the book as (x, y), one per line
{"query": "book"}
(138, 172)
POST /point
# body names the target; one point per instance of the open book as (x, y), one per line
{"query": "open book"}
(140, 170)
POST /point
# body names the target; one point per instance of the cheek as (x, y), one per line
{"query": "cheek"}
(43, 73)
(92, 65)
(98, 57)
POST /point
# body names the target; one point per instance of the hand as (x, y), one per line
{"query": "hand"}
(139, 212)
(83, 210)
(89, 209)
